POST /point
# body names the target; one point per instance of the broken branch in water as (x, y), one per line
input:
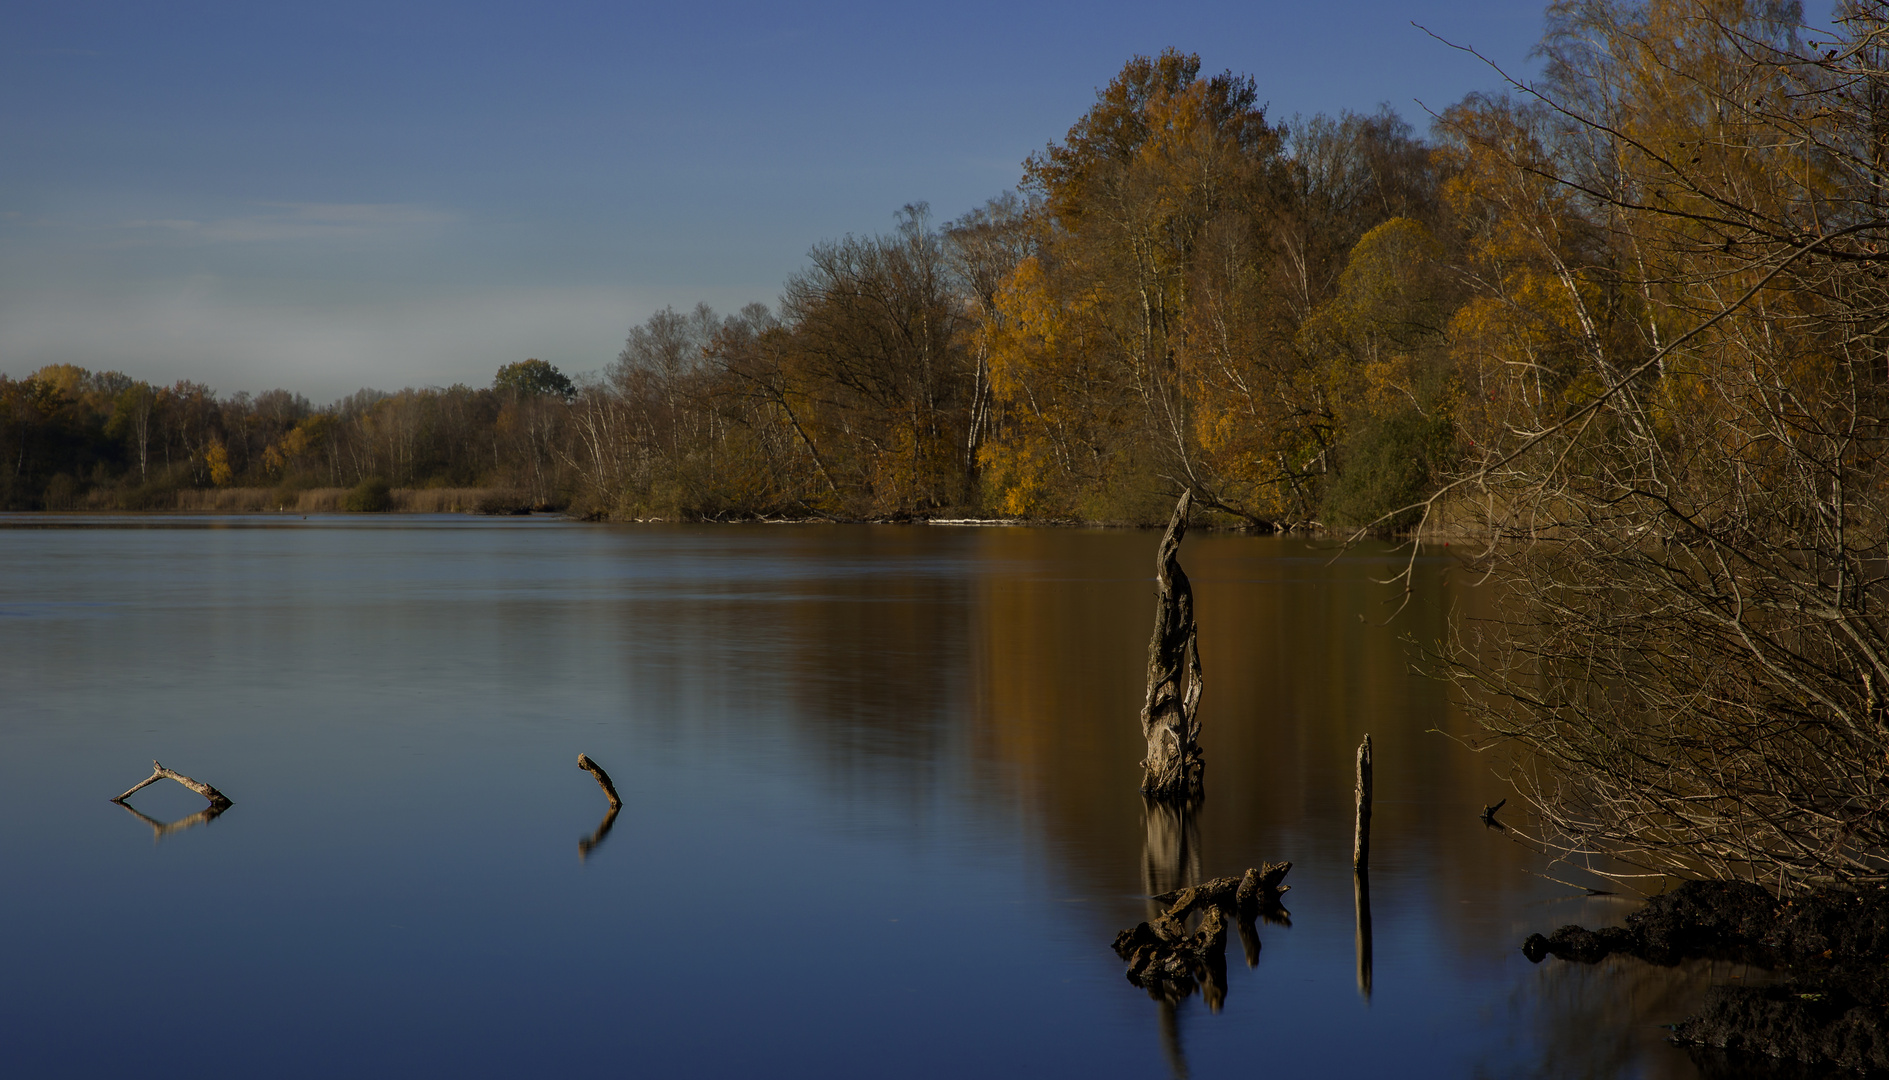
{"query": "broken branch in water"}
(217, 799)
(603, 778)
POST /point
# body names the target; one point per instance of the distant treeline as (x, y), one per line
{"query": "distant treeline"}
(1305, 323)
(1165, 304)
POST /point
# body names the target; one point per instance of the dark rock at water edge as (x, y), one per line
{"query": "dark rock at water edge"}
(1804, 1020)
(1833, 1009)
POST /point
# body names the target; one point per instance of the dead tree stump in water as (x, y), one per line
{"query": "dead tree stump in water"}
(1169, 722)
(217, 799)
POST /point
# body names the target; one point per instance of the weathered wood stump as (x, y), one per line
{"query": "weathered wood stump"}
(1170, 961)
(1172, 768)
(217, 799)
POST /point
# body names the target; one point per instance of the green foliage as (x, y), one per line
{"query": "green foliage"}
(371, 495)
(1386, 465)
(534, 378)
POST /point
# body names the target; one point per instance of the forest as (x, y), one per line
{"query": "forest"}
(1183, 292)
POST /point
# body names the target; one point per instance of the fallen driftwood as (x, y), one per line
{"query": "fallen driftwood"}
(218, 800)
(1170, 961)
(1832, 1008)
(1169, 721)
(603, 781)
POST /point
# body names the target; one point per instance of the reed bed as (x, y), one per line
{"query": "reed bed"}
(329, 500)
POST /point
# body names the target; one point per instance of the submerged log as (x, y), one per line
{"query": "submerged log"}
(603, 778)
(217, 799)
(1170, 961)
(1169, 721)
(1243, 893)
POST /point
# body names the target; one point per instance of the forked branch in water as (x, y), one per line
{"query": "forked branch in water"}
(217, 799)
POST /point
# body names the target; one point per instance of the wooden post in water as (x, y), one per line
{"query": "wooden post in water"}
(1361, 839)
(1361, 869)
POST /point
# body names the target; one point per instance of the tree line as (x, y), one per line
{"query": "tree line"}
(75, 438)
(1314, 323)
(1181, 293)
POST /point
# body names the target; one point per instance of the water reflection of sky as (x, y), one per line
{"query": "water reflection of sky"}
(880, 811)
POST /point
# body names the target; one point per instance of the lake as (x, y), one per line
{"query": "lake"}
(880, 810)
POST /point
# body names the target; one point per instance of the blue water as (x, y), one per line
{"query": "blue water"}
(880, 810)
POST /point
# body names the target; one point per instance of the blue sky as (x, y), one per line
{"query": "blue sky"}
(324, 197)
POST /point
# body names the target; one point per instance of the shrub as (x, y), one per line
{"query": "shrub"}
(371, 495)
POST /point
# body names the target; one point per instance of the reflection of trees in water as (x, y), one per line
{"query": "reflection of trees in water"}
(1055, 673)
(864, 636)
(1040, 649)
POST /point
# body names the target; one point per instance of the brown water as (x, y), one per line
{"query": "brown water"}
(880, 810)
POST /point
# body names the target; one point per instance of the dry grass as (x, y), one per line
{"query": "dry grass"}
(329, 500)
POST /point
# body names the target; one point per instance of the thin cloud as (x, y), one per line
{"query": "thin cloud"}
(292, 221)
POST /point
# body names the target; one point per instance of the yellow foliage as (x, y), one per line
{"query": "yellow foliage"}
(291, 448)
(217, 459)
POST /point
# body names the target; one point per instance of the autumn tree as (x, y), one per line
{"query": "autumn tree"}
(1675, 362)
(875, 356)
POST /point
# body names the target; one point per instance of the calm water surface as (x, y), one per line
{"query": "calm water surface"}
(880, 810)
